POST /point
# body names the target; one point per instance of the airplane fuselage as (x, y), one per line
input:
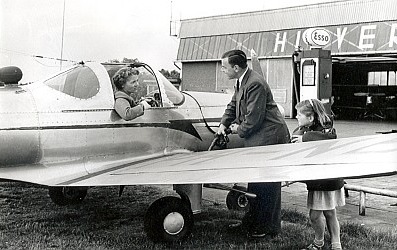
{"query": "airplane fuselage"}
(43, 125)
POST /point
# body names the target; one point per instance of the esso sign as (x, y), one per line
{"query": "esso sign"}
(316, 37)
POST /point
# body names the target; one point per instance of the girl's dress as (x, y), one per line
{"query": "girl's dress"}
(322, 194)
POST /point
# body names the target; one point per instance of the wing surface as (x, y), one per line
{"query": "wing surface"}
(347, 157)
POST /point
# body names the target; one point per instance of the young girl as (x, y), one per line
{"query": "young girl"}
(323, 195)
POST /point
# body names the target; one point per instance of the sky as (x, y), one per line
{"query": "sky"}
(101, 30)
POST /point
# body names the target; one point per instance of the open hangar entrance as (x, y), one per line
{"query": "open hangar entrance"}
(364, 87)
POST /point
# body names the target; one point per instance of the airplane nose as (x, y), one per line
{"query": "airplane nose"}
(19, 133)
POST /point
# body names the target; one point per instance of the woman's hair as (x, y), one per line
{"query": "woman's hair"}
(120, 77)
(316, 108)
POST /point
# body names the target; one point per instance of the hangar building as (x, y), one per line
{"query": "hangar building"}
(363, 50)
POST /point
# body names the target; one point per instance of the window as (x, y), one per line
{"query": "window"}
(382, 78)
(392, 78)
(79, 82)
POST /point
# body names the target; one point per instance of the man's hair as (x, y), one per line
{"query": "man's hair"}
(120, 77)
(236, 57)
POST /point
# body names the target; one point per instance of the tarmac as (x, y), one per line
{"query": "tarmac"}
(380, 211)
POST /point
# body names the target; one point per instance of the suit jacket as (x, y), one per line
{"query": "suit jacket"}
(254, 109)
(315, 132)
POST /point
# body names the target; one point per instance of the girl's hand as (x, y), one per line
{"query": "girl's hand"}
(234, 128)
(286, 183)
(296, 139)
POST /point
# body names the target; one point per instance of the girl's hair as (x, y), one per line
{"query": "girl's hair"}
(316, 108)
(120, 77)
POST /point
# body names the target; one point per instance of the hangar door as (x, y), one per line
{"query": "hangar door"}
(199, 76)
(364, 89)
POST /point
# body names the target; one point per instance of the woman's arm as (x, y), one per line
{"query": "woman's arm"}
(123, 108)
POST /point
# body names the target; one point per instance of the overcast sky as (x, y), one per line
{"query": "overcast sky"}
(101, 30)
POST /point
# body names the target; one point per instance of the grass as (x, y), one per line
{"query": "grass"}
(29, 220)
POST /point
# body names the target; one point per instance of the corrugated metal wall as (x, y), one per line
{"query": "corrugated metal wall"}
(325, 14)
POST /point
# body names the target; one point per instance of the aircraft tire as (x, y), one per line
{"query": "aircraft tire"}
(168, 219)
(237, 200)
(67, 195)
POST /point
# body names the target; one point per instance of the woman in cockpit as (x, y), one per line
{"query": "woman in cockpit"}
(126, 82)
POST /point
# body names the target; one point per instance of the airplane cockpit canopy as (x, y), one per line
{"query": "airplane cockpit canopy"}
(80, 82)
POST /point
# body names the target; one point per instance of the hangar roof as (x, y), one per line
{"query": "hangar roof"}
(356, 27)
(323, 14)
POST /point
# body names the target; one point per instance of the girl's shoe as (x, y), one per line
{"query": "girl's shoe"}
(313, 247)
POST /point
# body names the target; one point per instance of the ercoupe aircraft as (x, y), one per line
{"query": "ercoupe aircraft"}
(63, 133)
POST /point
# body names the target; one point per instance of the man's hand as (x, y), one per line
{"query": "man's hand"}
(221, 130)
(234, 128)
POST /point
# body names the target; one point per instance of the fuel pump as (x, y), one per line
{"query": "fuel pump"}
(313, 69)
(316, 71)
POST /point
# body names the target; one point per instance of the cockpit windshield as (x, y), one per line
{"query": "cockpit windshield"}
(172, 93)
(151, 84)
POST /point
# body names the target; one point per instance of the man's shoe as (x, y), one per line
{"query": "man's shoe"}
(238, 228)
(236, 225)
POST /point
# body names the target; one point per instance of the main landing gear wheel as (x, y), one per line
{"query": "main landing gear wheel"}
(168, 219)
(67, 195)
(237, 200)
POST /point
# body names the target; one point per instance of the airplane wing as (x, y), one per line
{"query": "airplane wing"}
(347, 157)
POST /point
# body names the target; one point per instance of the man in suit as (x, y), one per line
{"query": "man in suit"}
(253, 115)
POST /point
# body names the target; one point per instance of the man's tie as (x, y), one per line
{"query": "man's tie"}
(238, 85)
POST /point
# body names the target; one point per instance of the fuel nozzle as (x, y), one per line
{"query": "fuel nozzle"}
(220, 141)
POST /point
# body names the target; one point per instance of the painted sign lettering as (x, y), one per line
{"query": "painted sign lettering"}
(363, 38)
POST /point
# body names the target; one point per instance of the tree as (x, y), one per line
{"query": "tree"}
(125, 60)
(173, 76)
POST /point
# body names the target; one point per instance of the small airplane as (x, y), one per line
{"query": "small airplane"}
(63, 133)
